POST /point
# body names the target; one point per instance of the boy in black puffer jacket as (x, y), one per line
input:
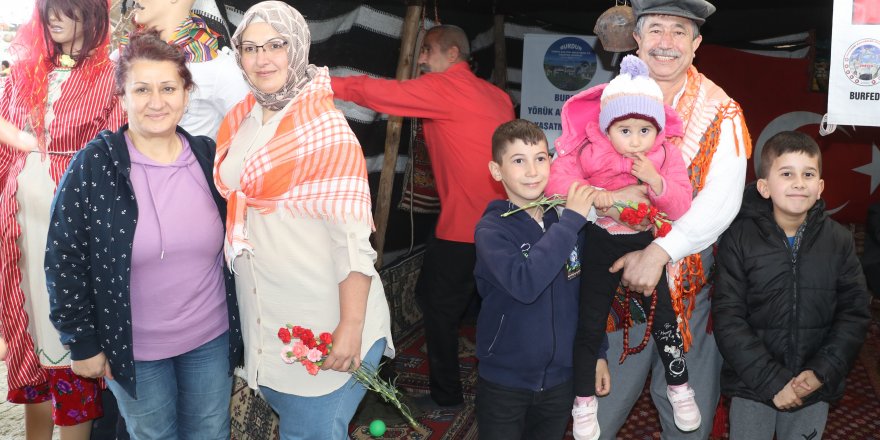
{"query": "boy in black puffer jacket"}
(790, 307)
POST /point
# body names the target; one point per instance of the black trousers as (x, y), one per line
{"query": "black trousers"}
(505, 413)
(598, 287)
(444, 291)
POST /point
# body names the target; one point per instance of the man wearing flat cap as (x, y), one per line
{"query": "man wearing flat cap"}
(716, 146)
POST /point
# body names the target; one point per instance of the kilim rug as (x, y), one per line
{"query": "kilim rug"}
(855, 417)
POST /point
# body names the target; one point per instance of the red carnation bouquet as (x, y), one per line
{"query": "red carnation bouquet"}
(630, 213)
(301, 345)
(634, 214)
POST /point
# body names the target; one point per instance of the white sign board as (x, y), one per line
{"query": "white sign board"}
(555, 68)
(854, 70)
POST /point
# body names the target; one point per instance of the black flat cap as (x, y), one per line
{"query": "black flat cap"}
(696, 10)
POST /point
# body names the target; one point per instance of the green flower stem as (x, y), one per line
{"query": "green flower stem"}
(370, 379)
(544, 202)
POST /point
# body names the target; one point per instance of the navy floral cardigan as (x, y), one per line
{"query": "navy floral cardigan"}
(88, 253)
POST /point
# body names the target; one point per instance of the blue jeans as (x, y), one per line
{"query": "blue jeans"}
(184, 397)
(324, 417)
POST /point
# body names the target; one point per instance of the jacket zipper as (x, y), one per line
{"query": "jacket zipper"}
(793, 352)
(497, 334)
(552, 339)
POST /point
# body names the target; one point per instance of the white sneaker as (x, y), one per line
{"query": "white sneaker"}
(586, 425)
(684, 408)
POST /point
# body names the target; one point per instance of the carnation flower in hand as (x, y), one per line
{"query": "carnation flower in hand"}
(312, 352)
(634, 215)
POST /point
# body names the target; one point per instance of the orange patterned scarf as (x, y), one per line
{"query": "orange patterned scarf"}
(703, 107)
(312, 166)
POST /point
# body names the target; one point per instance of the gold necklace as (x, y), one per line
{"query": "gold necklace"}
(66, 61)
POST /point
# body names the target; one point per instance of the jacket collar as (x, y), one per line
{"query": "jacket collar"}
(115, 146)
(756, 207)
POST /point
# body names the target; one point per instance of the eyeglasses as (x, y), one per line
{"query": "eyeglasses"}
(271, 47)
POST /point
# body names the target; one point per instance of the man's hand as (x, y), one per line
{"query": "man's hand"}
(806, 383)
(642, 269)
(644, 170)
(580, 198)
(346, 353)
(786, 398)
(3, 349)
(94, 367)
(603, 378)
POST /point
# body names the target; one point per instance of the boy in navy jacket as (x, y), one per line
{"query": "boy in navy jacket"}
(527, 272)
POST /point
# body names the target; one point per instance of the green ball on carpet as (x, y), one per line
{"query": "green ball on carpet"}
(377, 428)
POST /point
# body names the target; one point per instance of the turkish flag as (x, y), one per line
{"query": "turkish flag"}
(775, 95)
(866, 12)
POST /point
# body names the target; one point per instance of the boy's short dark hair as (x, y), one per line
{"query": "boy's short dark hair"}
(788, 142)
(508, 132)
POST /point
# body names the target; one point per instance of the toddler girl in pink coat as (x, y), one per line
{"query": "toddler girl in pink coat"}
(614, 136)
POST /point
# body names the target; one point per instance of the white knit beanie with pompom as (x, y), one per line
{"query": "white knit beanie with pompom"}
(632, 94)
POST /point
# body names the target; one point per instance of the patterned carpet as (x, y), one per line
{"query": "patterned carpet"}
(855, 417)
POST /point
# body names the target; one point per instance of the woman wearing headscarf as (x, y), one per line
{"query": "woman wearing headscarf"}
(59, 92)
(135, 265)
(298, 227)
(218, 85)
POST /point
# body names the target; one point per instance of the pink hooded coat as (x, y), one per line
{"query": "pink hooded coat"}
(585, 155)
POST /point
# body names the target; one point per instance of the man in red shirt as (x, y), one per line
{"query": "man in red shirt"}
(460, 113)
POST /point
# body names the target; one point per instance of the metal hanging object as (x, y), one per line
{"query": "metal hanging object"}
(615, 29)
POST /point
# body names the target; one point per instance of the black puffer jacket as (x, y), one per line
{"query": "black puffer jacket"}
(777, 313)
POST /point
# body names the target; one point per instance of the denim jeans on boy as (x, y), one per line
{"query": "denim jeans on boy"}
(184, 397)
(324, 417)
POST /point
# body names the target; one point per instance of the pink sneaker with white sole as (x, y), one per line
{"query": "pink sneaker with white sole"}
(586, 423)
(684, 407)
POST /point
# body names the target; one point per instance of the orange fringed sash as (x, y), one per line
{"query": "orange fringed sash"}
(688, 276)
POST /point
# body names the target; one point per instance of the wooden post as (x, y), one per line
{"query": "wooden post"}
(408, 36)
(500, 77)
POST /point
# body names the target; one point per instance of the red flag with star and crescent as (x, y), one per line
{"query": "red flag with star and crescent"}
(775, 94)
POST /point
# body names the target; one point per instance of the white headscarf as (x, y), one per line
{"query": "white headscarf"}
(288, 22)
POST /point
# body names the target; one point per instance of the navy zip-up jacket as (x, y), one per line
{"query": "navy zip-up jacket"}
(528, 319)
(88, 253)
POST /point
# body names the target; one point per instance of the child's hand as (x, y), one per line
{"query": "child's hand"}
(604, 199)
(3, 349)
(805, 383)
(786, 398)
(603, 378)
(580, 198)
(644, 170)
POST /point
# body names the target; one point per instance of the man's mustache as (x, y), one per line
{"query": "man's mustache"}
(664, 53)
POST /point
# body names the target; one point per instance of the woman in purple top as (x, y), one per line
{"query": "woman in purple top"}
(134, 260)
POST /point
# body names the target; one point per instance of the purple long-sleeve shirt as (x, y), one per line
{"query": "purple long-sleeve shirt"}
(178, 297)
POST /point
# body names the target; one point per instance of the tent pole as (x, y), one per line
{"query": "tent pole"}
(408, 37)
(500, 77)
